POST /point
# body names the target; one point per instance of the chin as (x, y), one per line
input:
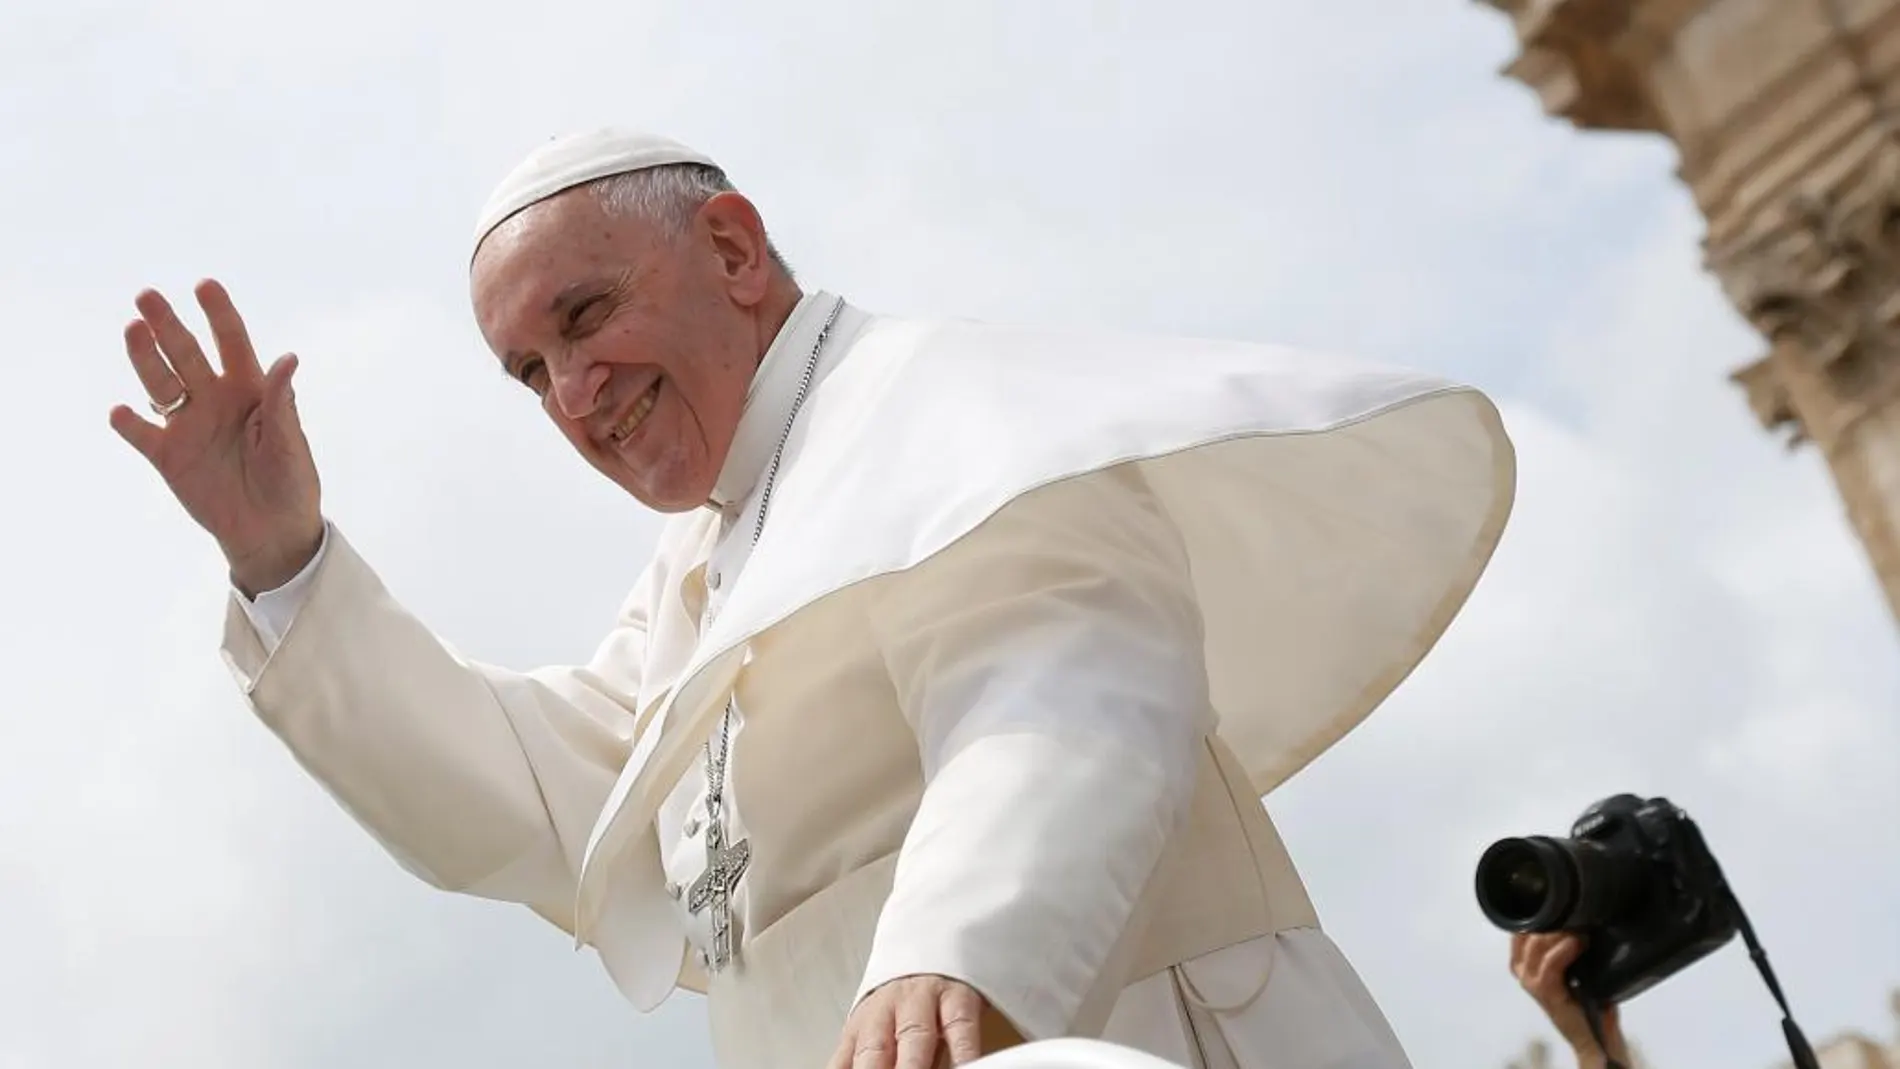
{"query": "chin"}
(670, 479)
(670, 508)
(668, 497)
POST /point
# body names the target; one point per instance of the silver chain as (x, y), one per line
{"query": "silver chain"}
(716, 762)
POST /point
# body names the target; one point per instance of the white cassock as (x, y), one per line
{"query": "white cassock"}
(1034, 621)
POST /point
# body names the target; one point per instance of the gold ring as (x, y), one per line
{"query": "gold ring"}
(165, 410)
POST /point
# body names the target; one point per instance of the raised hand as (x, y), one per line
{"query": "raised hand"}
(1539, 962)
(229, 443)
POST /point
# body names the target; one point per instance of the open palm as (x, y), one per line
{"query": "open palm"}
(233, 452)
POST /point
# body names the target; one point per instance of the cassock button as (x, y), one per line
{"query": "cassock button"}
(704, 961)
(691, 830)
(672, 889)
(712, 580)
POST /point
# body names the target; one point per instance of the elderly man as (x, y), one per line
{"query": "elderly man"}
(939, 720)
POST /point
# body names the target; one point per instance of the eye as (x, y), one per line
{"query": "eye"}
(533, 373)
(586, 316)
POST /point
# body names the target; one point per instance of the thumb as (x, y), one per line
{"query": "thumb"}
(280, 397)
(138, 433)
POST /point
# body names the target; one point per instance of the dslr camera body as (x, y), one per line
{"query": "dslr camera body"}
(1634, 878)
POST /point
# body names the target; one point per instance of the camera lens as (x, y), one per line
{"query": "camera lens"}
(1527, 885)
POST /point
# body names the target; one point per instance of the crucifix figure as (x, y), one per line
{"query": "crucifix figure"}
(715, 887)
(724, 864)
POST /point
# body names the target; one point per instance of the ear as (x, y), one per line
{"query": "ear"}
(736, 236)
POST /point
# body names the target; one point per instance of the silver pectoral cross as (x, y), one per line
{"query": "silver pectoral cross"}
(715, 887)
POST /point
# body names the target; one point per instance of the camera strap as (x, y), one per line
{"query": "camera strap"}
(1797, 1043)
(1798, 1047)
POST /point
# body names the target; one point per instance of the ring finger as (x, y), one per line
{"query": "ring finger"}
(181, 349)
(161, 385)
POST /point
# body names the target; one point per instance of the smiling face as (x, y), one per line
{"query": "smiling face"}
(639, 338)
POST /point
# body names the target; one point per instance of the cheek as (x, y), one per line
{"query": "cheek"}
(710, 392)
(679, 422)
(571, 430)
(622, 344)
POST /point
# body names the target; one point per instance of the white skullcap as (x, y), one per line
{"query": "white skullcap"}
(576, 159)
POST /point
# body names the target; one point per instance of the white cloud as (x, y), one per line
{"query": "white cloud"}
(1678, 607)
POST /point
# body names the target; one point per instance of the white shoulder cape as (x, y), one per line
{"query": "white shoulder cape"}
(1337, 515)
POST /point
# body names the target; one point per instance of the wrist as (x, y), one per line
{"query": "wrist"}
(1591, 1056)
(268, 568)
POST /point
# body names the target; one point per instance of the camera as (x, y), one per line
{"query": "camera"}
(1634, 878)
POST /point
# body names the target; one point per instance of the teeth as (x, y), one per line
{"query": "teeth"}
(638, 415)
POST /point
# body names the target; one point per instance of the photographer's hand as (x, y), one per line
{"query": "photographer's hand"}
(1538, 962)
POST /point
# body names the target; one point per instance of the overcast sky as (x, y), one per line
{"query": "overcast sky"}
(1678, 607)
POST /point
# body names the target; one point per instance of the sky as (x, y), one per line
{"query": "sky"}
(1678, 607)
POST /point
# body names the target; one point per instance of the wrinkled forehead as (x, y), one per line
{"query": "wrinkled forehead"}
(542, 225)
(527, 266)
(523, 263)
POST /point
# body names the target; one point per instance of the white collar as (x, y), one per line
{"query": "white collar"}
(769, 400)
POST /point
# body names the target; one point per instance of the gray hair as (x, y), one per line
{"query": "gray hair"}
(669, 196)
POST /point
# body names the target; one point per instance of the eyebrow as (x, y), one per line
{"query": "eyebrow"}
(568, 294)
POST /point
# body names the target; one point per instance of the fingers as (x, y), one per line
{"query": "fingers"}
(1556, 958)
(874, 1047)
(1538, 961)
(917, 1030)
(910, 1023)
(961, 1011)
(154, 373)
(228, 332)
(180, 348)
(140, 434)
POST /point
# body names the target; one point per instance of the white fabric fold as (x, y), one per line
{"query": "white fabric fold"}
(1051, 668)
(474, 778)
(771, 394)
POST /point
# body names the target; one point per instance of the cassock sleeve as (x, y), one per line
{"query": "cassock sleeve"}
(1051, 664)
(272, 611)
(476, 779)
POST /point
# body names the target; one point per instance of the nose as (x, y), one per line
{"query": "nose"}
(576, 385)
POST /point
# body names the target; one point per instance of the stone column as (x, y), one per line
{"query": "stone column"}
(1783, 114)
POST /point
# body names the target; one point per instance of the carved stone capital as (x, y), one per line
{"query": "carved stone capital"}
(1576, 56)
(1770, 399)
(1822, 284)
